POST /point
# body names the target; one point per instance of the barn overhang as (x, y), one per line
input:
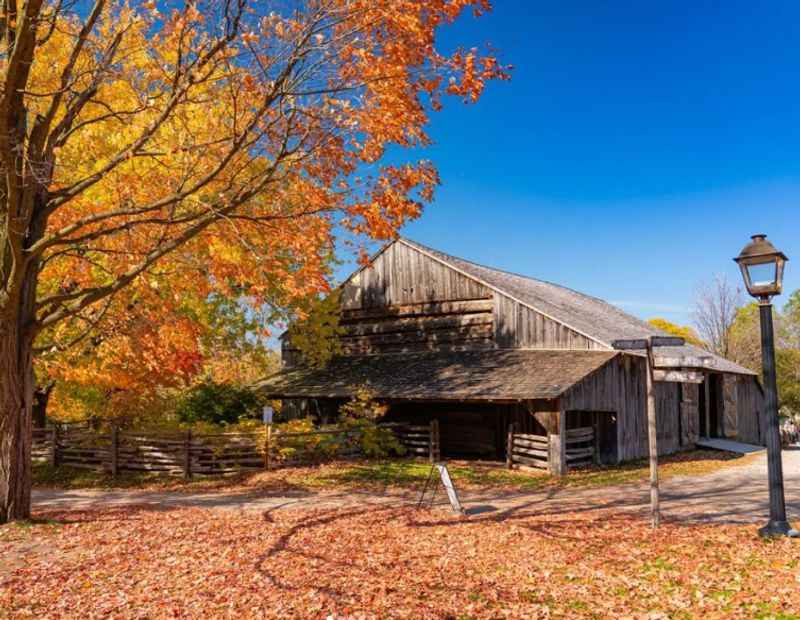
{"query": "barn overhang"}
(488, 375)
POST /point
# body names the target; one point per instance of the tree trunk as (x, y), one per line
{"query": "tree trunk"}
(41, 398)
(16, 399)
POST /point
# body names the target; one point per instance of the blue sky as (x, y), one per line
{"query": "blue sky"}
(636, 148)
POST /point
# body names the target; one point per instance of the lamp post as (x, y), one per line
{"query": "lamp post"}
(762, 269)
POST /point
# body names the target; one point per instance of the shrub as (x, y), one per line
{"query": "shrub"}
(306, 447)
(218, 403)
(361, 415)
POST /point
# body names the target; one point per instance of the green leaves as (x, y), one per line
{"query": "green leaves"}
(218, 403)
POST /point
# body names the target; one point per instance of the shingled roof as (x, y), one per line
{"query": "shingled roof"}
(503, 374)
(593, 317)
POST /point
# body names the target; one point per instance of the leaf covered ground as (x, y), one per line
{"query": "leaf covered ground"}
(389, 563)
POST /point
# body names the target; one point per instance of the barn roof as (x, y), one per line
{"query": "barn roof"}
(505, 374)
(593, 317)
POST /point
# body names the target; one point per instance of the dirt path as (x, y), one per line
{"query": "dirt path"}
(734, 494)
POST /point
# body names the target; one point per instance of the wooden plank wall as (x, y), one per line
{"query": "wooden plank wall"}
(518, 326)
(730, 406)
(403, 287)
(750, 409)
(620, 387)
(402, 275)
(440, 325)
(690, 414)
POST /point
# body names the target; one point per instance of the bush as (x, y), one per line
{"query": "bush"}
(361, 415)
(218, 403)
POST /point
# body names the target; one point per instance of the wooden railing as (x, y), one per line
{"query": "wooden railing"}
(418, 440)
(525, 449)
(188, 454)
(544, 451)
(580, 446)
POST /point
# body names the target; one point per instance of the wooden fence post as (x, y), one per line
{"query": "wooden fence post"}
(510, 447)
(54, 455)
(114, 450)
(187, 463)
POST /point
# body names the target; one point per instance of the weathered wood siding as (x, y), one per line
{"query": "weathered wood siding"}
(518, 326)
(750, 408)
(619, 387)
(402, 275)
(690, 414)
(406, 300)
(440, 325)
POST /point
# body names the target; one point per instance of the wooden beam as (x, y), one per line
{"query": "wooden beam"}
(677, 376)
(463, 306)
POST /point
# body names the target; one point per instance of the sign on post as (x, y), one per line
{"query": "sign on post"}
(447, 483)
(267, 414)
(452, 495)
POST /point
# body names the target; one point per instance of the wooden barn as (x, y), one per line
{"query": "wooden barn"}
(485, 352)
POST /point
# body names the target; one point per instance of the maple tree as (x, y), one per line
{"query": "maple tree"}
(215, 144)
(150, 347)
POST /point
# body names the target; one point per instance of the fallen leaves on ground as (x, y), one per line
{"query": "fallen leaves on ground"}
(389, 563)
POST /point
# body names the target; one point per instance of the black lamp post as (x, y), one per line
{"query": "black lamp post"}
(762, 268)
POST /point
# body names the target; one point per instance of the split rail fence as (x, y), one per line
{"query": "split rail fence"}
(542, 451)
(190, 453)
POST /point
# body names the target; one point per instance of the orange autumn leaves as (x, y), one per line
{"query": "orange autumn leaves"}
(220, 148)
(390, 562)
(234, 158)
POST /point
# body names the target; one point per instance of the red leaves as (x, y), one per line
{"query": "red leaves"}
(389, 562)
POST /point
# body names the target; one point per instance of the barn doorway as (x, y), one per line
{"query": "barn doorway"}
(604, 425)
(607, 443)
(710, 406)
(466, 430)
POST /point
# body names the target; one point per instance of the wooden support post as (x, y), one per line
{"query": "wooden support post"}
(187, 460)
(114, 450)
(652, 436)
(557, 447)
(595, 438)
(510, 447)
(556, 463)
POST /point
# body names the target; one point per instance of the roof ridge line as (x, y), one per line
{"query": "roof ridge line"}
(427, 252)
(422, 246)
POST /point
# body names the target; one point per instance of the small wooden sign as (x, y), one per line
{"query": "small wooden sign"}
(682, 361)
(452, 494)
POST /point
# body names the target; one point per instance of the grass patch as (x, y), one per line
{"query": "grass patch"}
(692, 463)
(400, 473)
(411, 473)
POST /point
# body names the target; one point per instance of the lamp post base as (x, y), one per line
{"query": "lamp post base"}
(773, 529)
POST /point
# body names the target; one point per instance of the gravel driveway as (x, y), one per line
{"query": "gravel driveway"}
(735, 494)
